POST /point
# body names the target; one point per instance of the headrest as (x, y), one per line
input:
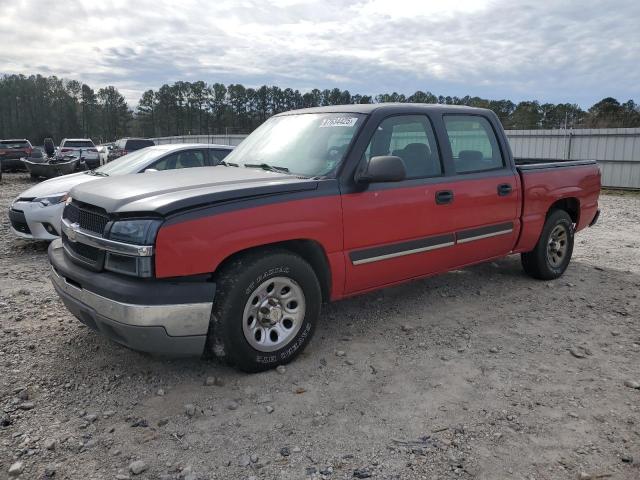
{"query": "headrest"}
(470, 156)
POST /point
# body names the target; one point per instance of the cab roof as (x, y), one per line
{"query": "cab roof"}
(369, 108)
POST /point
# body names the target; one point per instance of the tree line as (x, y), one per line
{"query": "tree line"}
(36, 107)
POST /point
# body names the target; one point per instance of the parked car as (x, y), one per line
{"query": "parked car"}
(11, 151)
(82, 148)
(128, 145)
(36, 213)
(315, 205)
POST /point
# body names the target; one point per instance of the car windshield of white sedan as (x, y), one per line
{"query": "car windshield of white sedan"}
(131, 163)
(309, 144)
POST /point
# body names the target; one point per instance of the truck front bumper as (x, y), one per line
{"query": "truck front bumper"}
(157, 316)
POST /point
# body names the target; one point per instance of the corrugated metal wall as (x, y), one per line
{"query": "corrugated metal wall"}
(617, 150)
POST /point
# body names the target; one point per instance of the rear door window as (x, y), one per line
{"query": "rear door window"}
(78, 144)
(473, 143)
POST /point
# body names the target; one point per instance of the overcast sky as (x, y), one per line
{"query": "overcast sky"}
(560, 51)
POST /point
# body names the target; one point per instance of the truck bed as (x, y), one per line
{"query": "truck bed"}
(545, 182)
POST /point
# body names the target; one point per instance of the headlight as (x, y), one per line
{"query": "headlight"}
(52, 199)
(138, 232)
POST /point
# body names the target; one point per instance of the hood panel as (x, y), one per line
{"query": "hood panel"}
(57, 185)
(167, 191)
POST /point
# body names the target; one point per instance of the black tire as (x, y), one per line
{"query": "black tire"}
(543, 263)
(236, 284)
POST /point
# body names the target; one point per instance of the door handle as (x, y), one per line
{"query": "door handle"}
(504, 189)
(444, 196)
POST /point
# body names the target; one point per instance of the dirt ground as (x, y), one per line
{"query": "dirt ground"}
(482, 373)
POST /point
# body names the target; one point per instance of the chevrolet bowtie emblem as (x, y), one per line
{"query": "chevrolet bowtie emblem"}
(71, 234)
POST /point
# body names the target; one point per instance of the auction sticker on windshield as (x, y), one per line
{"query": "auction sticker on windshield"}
(339, 122)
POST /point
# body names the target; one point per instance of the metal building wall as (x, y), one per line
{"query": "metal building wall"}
(617, 150)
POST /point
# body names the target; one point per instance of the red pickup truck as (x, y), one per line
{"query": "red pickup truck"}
(315, 205)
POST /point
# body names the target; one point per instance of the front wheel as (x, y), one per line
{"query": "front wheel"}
(552, 254)
(265, 311)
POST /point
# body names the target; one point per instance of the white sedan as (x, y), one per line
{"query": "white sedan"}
(36, 214)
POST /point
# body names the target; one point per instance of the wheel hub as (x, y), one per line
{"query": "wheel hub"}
(273, 314)
(270, 312)
(557, 246)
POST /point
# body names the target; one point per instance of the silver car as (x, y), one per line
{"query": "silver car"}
(36, 214)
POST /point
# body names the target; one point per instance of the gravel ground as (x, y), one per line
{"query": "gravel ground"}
(481, 373)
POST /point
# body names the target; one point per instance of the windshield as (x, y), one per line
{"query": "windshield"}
(13, 144)
(309, 144)
(132, 163)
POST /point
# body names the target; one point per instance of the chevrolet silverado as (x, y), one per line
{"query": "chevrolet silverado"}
(315, 205)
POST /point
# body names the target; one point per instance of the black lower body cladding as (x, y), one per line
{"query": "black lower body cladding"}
(157, 316)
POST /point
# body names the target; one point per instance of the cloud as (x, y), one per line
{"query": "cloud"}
(574, 51)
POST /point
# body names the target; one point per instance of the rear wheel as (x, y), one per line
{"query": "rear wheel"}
(552, 254)
(265, 311)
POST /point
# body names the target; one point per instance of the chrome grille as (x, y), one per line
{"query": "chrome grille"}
(89, 218)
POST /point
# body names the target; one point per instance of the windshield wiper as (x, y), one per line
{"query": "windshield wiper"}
(266, 166)
(228, 164)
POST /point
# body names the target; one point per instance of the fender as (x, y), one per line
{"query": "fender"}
(190, 246)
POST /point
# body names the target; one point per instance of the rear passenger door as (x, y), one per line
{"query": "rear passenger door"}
(485, 192)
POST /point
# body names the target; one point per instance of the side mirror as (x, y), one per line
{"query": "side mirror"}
(382, 169)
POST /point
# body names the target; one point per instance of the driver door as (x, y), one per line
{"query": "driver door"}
(392, 230)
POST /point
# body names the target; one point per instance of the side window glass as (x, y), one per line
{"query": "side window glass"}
(215, 156)
(411, 138)
(473, 143)
(165, 163)
(184, 159)
(191, 159)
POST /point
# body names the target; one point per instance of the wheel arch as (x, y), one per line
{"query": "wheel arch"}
(571, 205)
(310, 250)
